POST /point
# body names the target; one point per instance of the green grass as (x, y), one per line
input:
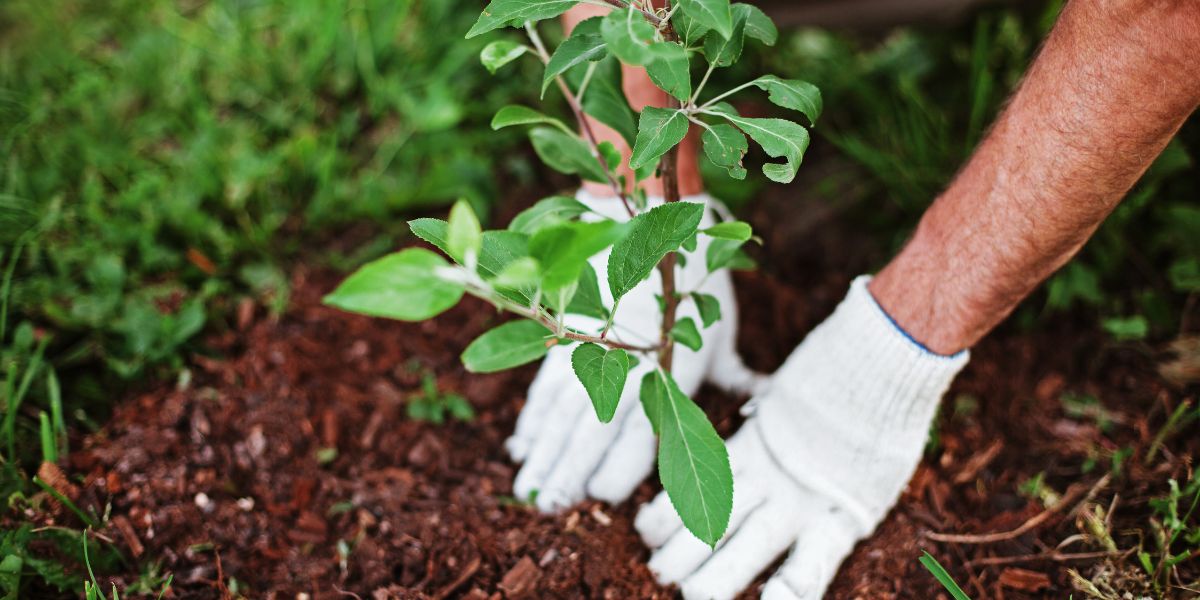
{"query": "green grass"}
(939, 573)
(162, 159)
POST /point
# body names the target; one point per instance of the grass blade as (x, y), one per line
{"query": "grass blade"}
(49, 447)
(943, 577)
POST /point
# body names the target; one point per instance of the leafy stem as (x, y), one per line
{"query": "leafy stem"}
(720, 97)
(653, 18)
(711, 67)
(481, 289)
(580, 118)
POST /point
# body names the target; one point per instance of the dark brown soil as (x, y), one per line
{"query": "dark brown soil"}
(289, 465)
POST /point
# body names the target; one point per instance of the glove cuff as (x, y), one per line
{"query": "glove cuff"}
(856, 412)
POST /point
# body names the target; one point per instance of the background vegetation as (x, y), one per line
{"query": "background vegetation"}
(164, 159)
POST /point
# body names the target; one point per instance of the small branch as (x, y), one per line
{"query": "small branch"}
(667, 17)
(722, 96)
(703, 81)
(587, 79)
(480, 289)
(1045, 556)
(1070, 499)
(584, 124)
(653, 18)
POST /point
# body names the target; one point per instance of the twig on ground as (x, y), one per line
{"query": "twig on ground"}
(1073, 497)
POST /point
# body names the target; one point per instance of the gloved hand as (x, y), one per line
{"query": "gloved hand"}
(568, 453)
(825, 453)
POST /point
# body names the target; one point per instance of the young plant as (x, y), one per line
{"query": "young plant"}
(432, 404)
(537, 268)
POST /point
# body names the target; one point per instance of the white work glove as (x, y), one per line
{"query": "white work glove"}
(826, 451)
(568, 453)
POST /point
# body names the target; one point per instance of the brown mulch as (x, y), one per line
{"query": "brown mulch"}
(288, 464)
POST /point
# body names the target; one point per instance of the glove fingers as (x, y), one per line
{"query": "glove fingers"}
(629, 459)
(585, 448)
(826, 538)
(656, 521)
(547, 448)
(542, 393)
(681, 555)
(765, 535)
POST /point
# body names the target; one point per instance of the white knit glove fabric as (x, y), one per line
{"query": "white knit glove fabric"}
(568, 454)
(825, 453)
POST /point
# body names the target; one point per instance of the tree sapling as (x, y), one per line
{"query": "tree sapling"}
(537, 268)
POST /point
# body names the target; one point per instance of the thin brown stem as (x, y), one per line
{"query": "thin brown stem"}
(580, 118)
(548, 321)
(653, 18)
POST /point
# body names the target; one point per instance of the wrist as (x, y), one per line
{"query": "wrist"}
(924, 300)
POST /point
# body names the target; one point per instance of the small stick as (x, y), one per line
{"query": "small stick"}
(1070, 499)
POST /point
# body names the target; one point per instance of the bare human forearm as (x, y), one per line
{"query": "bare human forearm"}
(1114, 81)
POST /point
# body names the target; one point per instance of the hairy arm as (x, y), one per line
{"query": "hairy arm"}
(1113, 82)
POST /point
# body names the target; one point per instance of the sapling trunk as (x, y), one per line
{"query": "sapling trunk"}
(666, 268)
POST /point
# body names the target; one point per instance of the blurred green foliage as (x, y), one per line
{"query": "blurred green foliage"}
(909, 107)
(162, 157)
(160, 154)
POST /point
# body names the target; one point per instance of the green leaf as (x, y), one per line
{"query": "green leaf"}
(685, 332)
(612, 156)
(403, 285)
(688, 29)
(652, 235)
(602, 373)
(566, 153)
(689, 245)
(464, 235)
(739, 231)
(794, 94)
(500, 53)
(778, 138)
(668, 69)
(724, 51)
(499, 248)
(605, 100)
(548, 211)
(519, 274)
(726, 254)
(509, 345)
(939, 573)
(709, 308)
(559, 298)
(659, 130)
(585, 44)
(500, 13)
(629, 36)
(1124, 329)
(725, 146)
(714, 14)
(758, 25)
(587, 300)
(564, 249)
(693, 464)
(515, 114)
